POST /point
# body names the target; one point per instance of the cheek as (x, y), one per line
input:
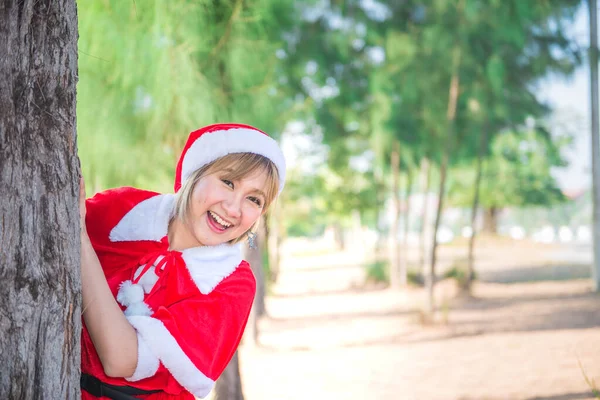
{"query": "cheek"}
(196, 205)
(202, 195)
(251, 215)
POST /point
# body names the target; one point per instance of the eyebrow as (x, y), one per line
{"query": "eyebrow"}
(260, 192)
(254, 190)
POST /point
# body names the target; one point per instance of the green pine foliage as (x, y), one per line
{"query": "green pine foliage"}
(153, 71)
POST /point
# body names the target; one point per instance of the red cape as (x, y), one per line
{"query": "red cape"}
(194, 305)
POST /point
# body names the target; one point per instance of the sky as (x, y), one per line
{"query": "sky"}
(571, 101)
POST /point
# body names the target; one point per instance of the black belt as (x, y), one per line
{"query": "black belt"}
(97, 388)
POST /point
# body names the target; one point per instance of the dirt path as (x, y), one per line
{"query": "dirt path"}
(327, 340)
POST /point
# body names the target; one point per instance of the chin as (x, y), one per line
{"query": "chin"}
(206, 237)
(218, 243)
(212, 241)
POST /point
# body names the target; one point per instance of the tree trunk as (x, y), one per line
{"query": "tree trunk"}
(490, 220)
(255, 258)
(395, 276)
(595, 140)
(474, 207)
(338, 236)
(380, 194)
(229, 384)
(404, 259)
(450, 117)
(426, 168)
(431, 277)
(273, 240)
(40, 301)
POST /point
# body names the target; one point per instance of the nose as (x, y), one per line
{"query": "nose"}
(232, 207)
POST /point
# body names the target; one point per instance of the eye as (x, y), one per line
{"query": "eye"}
(255, 200)
(228, 183)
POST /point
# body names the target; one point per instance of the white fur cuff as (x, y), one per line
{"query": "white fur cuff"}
(166, 348)
(147, 363)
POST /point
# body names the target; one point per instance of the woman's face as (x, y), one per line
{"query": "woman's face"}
(221, 210)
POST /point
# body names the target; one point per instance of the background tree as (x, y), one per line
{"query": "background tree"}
(382, 80)
(499, 37)
(499, 103)
(40, 303)
(595, 139)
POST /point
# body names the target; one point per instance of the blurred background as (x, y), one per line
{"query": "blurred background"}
(434, 240)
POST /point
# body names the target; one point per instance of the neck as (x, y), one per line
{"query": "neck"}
(180, 237)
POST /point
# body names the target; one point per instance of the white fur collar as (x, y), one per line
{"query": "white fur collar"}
(149, 220)
(208, 266)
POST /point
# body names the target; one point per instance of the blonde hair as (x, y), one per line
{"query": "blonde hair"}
(235, 166)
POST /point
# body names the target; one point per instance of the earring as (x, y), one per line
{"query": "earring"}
(252, 240)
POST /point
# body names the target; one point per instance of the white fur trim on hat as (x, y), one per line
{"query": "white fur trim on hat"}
(216, 144)
(167, 350)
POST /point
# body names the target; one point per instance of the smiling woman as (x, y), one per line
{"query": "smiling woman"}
(166, 293)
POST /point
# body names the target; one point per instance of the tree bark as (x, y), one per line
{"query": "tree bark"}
(229, 384)
(40, 301)
(490, 220)
(426, 167)
(395, 276)
(450, 117)
(474, 207)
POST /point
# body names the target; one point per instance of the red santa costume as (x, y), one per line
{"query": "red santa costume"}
(189, 308)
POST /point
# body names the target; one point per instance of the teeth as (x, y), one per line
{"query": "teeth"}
(220, 220)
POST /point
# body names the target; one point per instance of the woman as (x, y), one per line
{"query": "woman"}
(166, 294)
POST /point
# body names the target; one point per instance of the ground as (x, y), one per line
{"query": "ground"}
(530, 330)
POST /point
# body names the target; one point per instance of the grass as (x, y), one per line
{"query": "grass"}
(459, 271)
(415, 277)
(590, 382)
(377, 272)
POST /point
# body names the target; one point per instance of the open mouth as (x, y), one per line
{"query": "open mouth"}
(217, 222)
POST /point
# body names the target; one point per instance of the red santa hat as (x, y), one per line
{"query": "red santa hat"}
(207, 144)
